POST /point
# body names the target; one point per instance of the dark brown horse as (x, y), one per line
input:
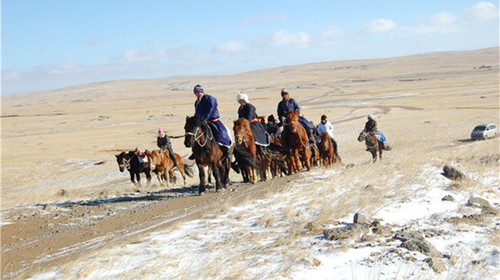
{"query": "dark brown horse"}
(164, 166)
(130, 161)
(326, 150)
(372, 144)
(206, 151)
(244, 140)
(295, 139)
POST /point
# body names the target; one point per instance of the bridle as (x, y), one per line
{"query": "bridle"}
(366, 135)
(125, 163)
(197, 135)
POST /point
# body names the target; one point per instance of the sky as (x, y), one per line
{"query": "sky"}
(54, 43)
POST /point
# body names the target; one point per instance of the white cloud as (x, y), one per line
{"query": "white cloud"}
(230, 46)
(481, 11)
(443, 18)
(64, 67)
(290, 39)
(378, 26)
(138, 55)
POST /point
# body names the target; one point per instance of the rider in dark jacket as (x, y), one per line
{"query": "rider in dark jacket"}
(163, 142)
(371, 127)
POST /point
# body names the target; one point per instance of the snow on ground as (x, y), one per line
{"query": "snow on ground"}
(266, 239)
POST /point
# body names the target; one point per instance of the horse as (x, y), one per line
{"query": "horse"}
(244, 140)
(130, 161)
(164, 165)
(326, 150)
(295, 138)
(199, 137)
(372, 144)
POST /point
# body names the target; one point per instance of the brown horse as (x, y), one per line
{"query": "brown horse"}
(198, 136)
(163, 165)
(327, 150)
(372, 144)
(244, 140)
(295, 139)
(130, 161)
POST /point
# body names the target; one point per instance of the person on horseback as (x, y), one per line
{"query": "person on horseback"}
(326, 126)
(163, 142)
(272, 126)
(289, 104)
(206, 107)
(371, 127)
(247, 111)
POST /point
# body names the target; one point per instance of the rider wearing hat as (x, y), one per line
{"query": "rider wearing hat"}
(326, 126)
(371, 127)
(289, 104)
(247, 111)
(206, 106)
(163, 142)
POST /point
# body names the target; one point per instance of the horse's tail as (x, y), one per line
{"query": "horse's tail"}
(244, 158)
(189, 170)
(279, 148)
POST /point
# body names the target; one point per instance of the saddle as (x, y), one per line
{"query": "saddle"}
(141, 156)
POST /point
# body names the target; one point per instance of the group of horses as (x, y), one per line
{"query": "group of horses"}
(287, 154)
(155, 161)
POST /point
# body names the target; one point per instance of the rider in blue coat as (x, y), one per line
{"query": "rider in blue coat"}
(289, 104)
(206, 106)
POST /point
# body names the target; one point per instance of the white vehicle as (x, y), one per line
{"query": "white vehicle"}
(484, 131)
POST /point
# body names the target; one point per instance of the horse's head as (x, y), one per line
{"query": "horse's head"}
(292, 119)
(362, 136)
(154, 156)
(194, 130)
(122, 160)
(241, 130)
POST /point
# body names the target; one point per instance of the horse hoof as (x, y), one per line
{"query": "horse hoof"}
(201, 193)
(252, 182)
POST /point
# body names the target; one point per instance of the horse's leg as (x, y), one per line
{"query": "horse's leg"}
(306, 154)
(148, 176)
(132, 177)
(138, 175)
(217, 174)
(201, 172)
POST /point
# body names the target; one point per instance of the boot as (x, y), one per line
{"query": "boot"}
(382, 145)
(226, 150)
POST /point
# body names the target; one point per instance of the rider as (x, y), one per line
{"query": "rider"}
(163, 142)
(206, 107)
(289, 104)
(272, 126)
(326, 126)
(371, 127)
(247, 111)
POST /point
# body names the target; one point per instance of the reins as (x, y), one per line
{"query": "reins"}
(198, 136)
(126, 162)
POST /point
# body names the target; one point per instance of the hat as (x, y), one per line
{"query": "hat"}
(198, 88)
(242, 96)
(161, 129)
(323, 117)
(284, 91)
(372, 117)
(271, 118)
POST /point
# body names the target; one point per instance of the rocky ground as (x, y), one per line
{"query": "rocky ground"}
(62, 193)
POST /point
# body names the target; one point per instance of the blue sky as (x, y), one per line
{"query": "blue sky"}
(52, 44)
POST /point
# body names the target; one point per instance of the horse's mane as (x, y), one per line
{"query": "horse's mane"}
(324, 136)
(292, 115)
(197, 121)
(242, 122)
(200, 121)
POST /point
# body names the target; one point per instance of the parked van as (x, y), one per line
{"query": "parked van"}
(484, 131)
